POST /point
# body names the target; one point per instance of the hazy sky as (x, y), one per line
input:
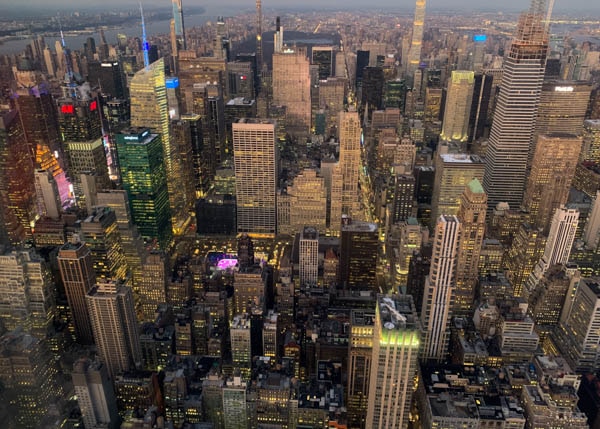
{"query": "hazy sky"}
(560, 5)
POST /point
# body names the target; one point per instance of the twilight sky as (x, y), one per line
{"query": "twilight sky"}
(509, 5)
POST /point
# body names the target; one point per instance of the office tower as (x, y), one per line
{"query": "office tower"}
(309, 256)
(516, 109)
(439, 289)
(394, 94)
(26, 293)
(471, 215)
(255, 160)
(561, 237)
(152, 285)
(240, 341)
(144, 178)
(184, 199)
(332, 93)
(179, 26)
(200, 157)
(131, 241)
(590, 150)
(362, 328)
(323, 56)
(149, 109)
(101, 234)
(79, 114)
(577, 333)
(235, 408)
(249, 288)
(562, 109)
(307, 201)
(291, 88)
(47, 196)
(414, 56)
(362, 62)
(526, 250)
(259, 44)
(480, 105)
(95, 394)
(17, 190)
(270, 333)
(404, 195)
(109, 77)
(394, 362)
(28, 377)
(373, 81)
(459, 98)
(349, 161)
(87, 158)
(78, 277)
(359, 248)
(552, 171)
(591, 231)
(278, 37)
(112, 313)
(452, 173)
(240, 80)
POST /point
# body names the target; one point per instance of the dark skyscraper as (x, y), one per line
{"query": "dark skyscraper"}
(358, 254)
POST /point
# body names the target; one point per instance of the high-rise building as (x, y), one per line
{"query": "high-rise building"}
(308, 202)
(145, 180)
(324, 56)
(249, 286)
(362, 328)
(256, 166)
(452, 174)
(455, 127)
(552, 172)
(28, 377)
(414, 56)
(95, 394)
(184, 199)
(359, 250)
(439, 289)
(309, 256)
(480, 105)
(561, 237)
(471, 214)
(153, 285)
(577, 335)
(47, 196)
(516, 111)
(349, 163)
(590, 150)
(291, 88)
(112, 313)
(404, 195)
(87, 158)
(109, 76)
(179, 26)
(17, 189)
(26, 293)
(100, 233)
(240, 341)
(526, 250)
(394, 362)
(235, 408)
(562, 109)
(150, 109)
(78, 277)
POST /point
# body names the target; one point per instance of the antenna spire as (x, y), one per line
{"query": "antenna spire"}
(145, 45)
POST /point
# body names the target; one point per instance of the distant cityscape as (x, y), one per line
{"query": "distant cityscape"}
(300, 219)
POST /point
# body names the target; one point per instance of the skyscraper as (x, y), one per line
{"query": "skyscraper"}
(95, 394)
(112, 313)
(439, 288)
(255, 160)
(144, 178)
(516, 110)
(78, 277)
(394, 362)
(552, 172)
(455, 127)
(414, 56)
(179, 27)
(362, 328)
(471, 214)
(291, 87)
(309, 256)
(47, 196)
(259, 43)
(149, 109)
(17, 190)
(359, 250)
(350, 134)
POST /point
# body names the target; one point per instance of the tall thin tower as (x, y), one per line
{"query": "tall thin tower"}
(414, 56)
(179, 27)
(516, 112)
(259, 56)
